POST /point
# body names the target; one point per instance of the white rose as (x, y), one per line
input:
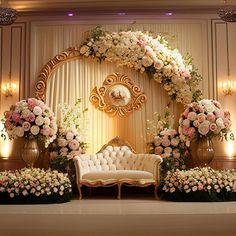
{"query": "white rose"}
(168, 150)
(25, 113)
(39, 120)
(84, 49)
(62, 142)
(69, 136)
(147, 61)
(34, 129)
(46, 121)
(220, 123)
(37, 110)
(204, 127)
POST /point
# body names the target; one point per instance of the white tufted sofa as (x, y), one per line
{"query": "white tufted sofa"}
(117, 165)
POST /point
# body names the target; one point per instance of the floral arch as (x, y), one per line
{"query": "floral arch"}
(140, 51)
(149, 54)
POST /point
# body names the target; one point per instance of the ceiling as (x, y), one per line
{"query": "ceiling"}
(117, 6)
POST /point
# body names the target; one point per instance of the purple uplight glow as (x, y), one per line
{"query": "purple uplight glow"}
(70, 14)
(168, 13)
(121, 13)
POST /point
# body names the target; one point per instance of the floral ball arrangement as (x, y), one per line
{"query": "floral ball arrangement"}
(35, 185)
(31, 118)
(69, 143)
(146, 53)
(169, 146)
(200, 184)
(204, 118)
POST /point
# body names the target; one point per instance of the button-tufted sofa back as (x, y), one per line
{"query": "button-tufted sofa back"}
(116, 158)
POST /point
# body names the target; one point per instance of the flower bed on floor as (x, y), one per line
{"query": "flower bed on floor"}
(34, 186)
(199, 184)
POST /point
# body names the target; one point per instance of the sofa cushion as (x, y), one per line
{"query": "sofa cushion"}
(117, 175)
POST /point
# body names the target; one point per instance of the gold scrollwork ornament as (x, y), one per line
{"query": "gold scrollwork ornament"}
(118, 95)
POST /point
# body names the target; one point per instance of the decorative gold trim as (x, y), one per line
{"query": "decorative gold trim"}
(118, 95)
(117, 142)
(42, 80)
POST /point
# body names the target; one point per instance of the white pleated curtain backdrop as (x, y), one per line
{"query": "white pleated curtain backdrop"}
(76, 79)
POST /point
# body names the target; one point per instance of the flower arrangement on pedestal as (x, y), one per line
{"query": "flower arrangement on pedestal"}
(146, 53)
(71, 138)
(166, 143)
(199, 184)
(33, 185)
(31, 118)
(204, 118)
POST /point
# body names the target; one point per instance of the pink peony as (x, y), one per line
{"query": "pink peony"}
(73, 144)
(32, 103)
(15, 117)
(30, 118)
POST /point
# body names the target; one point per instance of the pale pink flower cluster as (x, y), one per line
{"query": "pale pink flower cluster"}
(25, 182)
(168, 144)
(31, 118)
(145, 53)
(69, 143)
(200, 179)
(203, 118)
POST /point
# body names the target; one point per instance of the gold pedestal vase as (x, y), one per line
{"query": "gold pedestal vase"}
(204, 151)
(30, 152)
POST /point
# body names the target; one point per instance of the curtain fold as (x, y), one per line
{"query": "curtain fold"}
(76, 79)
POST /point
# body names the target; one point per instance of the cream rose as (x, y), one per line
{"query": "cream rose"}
(34, 129)
(37, 110)
(204, 127)
(39, 120)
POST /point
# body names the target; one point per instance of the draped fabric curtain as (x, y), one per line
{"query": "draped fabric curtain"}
(76, 79)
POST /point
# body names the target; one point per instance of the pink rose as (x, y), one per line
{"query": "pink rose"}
(191, 132)
(176, 153)
(211, 117)
(30, 118)
(186, 122)
(8, 125)
(73, 144)
(174, 142)
(200, 186)
(157, 140)
(196, 123)
(227, 123)
(7, 114)
(218, 114)
(213, 127)
(26, 126)
(32, 103)
(192, 116)
(165, 142)
(16, 117)
(204, 127)
(201, 117)
(141, 43)
(158, 150)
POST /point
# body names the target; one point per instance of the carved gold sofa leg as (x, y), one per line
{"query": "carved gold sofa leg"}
(155, 191)
(80, 192)
(119, 191)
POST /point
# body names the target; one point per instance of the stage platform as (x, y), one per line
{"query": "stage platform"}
(103, 217)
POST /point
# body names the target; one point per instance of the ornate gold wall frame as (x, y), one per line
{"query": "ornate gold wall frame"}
(41, 83)
(118, 95)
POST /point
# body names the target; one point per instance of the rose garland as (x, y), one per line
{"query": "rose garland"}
(146, 53)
